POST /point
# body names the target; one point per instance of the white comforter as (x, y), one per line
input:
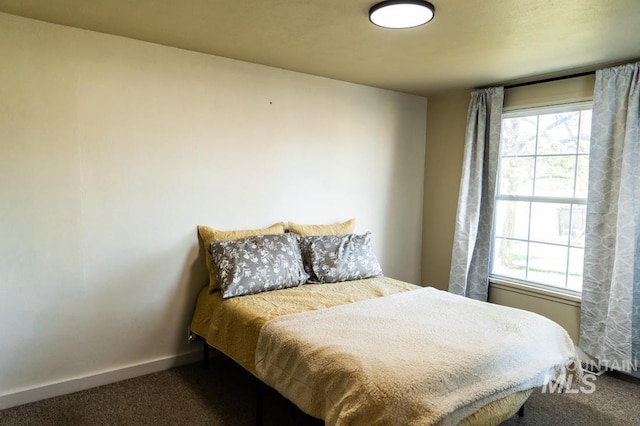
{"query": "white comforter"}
(415, 358)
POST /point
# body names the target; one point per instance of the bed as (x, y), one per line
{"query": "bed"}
(291, 339)
(310, 314)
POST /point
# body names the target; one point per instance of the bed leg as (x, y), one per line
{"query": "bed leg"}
(521, 411)
(205, 355)
(259, 397)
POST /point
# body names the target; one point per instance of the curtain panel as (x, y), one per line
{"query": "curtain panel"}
(469, 274)
(610, 314)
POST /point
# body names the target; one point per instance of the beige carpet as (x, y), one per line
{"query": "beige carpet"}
(225, 395)
(615, 401)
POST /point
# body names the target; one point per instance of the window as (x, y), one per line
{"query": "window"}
(541, 196)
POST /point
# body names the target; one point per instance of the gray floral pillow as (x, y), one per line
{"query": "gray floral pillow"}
(256, 264)
(333, 258)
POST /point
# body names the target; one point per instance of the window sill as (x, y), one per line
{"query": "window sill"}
(538, 292)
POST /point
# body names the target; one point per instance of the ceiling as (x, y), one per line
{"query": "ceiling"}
(470, 43)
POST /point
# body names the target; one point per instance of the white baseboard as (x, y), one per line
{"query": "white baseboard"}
(103, 378)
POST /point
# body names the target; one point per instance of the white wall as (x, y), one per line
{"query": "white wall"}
(113, 150)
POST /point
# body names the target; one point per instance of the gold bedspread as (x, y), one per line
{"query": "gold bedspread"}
(233, 325)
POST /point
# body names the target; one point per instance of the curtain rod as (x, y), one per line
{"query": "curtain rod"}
(548, 80)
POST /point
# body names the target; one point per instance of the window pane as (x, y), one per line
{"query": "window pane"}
(582, 176)
(516, 176)
(547, 264)
(550, 222)
(576, 259)
(539, 217)
(512, 219)
(558, 133)
(578, 219)
(519, 136)
(509, 258)
(555, 176)
(585, 131)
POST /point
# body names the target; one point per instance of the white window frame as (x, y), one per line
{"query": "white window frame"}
(526, 285)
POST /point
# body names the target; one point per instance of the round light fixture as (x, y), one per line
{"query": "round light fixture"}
(401, 13)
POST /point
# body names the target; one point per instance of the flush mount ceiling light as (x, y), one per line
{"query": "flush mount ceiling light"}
(401, 13)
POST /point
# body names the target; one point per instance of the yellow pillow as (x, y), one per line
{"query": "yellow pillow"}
(206, 235)
(343, 228)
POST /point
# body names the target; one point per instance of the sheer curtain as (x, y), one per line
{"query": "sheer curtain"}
(610, 315)
(469, 275)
